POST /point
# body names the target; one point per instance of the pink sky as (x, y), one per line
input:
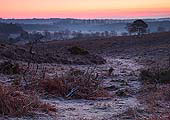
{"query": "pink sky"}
(84, 8)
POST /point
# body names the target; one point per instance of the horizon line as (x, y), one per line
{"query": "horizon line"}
(45, 18)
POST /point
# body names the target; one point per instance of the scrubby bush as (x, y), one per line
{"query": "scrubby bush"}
(78, 51)
(155, 75)
(157, 98)
(8, 67)
(75, 84)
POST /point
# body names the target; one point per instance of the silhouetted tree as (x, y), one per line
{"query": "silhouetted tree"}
(138, 26)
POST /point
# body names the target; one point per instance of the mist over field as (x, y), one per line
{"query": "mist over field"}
(85, 26)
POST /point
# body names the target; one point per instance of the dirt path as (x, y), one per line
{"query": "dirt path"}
(123, 83)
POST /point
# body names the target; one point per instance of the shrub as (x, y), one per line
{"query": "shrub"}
(77, 51)
(8, 67)
(75, 84)
(155, 75)
(156, 98)
(16, 103)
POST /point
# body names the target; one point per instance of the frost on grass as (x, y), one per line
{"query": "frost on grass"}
(17, 103)
(75, 84)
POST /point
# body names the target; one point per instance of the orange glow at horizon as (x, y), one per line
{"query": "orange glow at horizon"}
(84, 8)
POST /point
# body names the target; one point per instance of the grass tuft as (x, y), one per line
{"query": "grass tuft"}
(16, 103)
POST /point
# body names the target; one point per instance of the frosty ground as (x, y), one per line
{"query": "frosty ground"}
(128, 56)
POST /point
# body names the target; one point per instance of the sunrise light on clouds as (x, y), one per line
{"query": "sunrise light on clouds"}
(84, 8)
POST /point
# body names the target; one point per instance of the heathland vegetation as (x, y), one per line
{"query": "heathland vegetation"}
(116, 77)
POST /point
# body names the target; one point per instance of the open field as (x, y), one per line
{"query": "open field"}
(98, 78)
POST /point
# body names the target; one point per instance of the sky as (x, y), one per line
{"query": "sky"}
(88, 9)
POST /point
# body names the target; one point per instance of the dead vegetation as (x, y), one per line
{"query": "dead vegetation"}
(75, 84)
(155, 92)
(161, 117)
(17, 103)
(157, 100)
(45, 53)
